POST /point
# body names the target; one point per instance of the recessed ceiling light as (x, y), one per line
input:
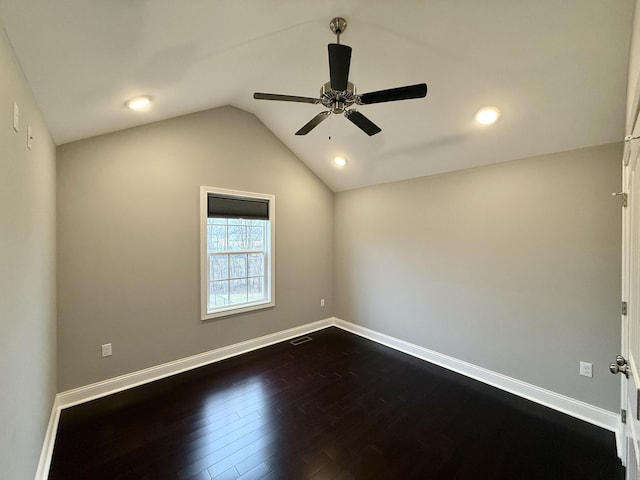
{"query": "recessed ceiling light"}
(139, 103)
(487, 115)
(340, 161)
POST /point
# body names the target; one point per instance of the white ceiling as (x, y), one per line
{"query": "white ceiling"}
(556, 68)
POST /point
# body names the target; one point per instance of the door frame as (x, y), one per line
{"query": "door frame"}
(627, 445)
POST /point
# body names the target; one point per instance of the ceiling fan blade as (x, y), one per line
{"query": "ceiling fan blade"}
(313, 123)
(362, 122)
(339, 61)
(284, 98)
(393, 94)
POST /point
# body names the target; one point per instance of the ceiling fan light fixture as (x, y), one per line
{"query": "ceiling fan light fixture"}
(340, 161)
(139, 103)
(487, 115)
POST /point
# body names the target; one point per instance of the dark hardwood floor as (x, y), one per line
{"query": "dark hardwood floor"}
(337, 407)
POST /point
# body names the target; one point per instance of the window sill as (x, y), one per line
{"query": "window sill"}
(237, 310)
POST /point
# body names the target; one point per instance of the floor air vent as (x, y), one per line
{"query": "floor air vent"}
(301, 340)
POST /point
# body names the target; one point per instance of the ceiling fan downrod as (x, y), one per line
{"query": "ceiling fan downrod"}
(338, 25)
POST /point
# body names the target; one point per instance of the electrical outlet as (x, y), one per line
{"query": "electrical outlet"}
(106, 350)
(586, 369)
(322, 302)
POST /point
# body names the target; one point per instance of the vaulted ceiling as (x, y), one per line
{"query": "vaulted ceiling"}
(557, 70)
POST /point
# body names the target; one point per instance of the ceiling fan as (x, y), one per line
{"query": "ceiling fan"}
(339, 94)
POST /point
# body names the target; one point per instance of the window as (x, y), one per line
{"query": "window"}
(237, 261)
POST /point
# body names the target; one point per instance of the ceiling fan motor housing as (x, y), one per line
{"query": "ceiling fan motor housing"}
(335, 100)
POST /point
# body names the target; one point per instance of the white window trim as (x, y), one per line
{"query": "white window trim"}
(271, 260)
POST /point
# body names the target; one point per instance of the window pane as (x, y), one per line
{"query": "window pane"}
(219, 267)
(256, 237)
(217, 237)
(238, 265)
(238, 291)
(218, 293)
(256, 264)
(256, 289)
(235, 236)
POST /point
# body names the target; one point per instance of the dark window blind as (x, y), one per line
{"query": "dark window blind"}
(222, 206)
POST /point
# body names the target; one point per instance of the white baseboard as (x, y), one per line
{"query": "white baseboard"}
(140, 377)
(575, 408)
(42, 473)
(96, 390)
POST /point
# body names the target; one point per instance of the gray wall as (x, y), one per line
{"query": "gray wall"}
(513, 267)
(128, 233)
(27, 275)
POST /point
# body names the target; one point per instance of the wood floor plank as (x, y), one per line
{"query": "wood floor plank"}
(337, 407)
